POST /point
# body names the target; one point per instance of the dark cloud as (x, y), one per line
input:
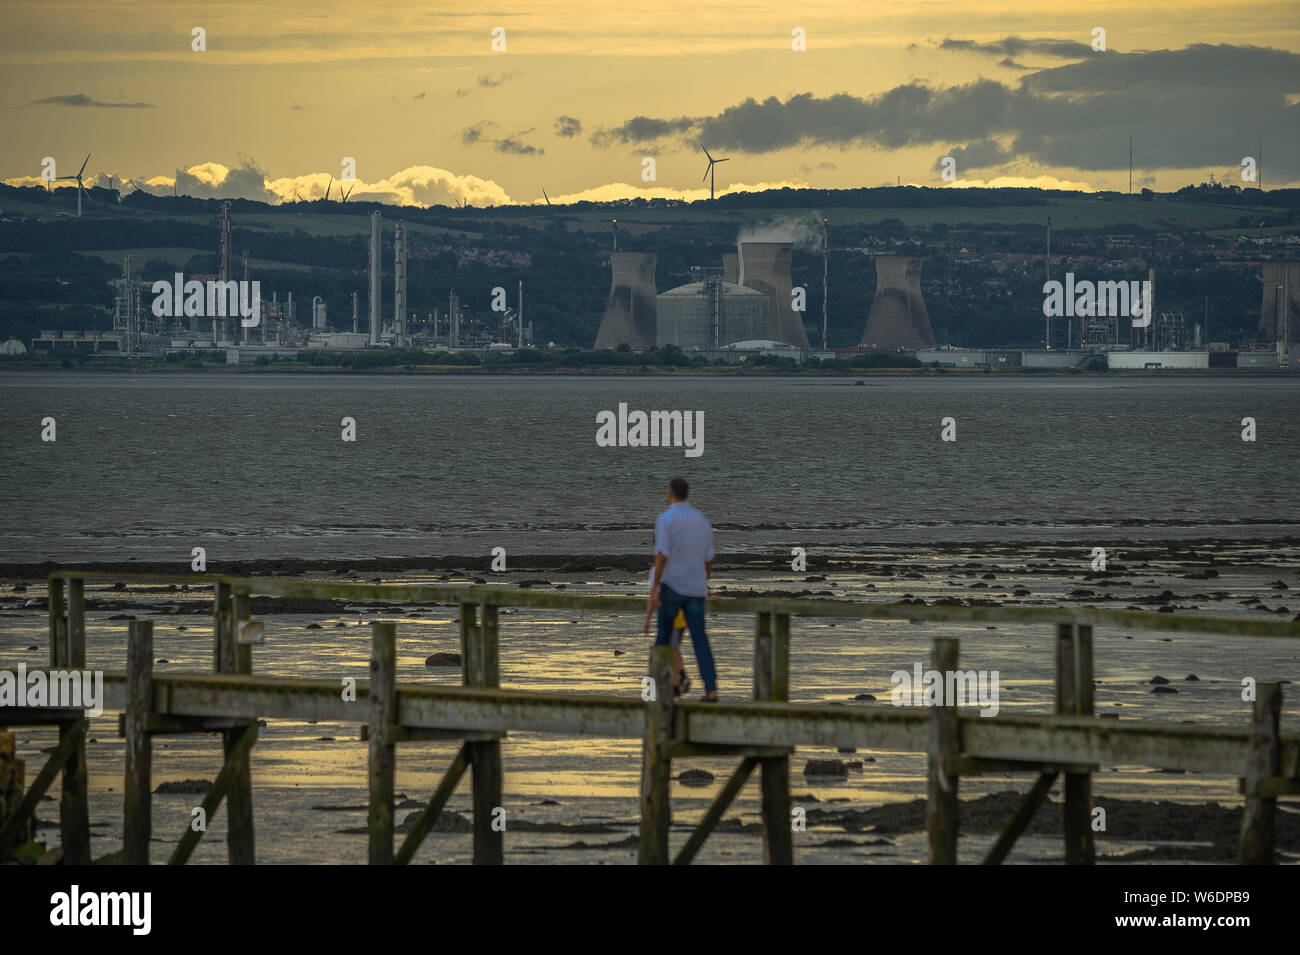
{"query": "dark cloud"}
(1014, 46)
(473, 134)
(642, 129)
(977, 155)
(245, 182)
(419, 96)
(81, 99)
(296, 106)
(489, 81)
(513, 144)
(567, 127)
(1191, 108)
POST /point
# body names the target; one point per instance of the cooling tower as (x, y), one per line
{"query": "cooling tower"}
(765, 267)
(898, 318)
(1281, 280)
(731, 267)
(630, 312)
(685, 315)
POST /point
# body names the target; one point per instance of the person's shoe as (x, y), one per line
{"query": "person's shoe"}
(709, 698)
(683, 681)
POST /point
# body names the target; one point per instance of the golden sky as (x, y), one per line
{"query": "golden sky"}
(584, 92)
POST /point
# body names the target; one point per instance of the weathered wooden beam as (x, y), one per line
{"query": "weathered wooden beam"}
(1023, 815)
(14, 825)
(483, 670)
(155, 724)
(240, 843)
(137, 818)
(216, 792)
(725, 797)
(428, 816)
(771, 684)
(469, 646)
(450, 594)
(223, 639)
(1262, 760)
(1027, 738)
(656, 764)
(762, 656)
(383, 713)
(485, 798)
(76, 624)
(58, 659)
(1074, 698)
(941, 805)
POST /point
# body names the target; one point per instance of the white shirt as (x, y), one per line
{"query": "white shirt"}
(685, 537)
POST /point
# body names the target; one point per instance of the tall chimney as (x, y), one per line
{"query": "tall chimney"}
(374, 272)
(399, 285)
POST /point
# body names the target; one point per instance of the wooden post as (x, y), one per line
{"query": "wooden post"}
(1263, 760)
(1074, 697)
(383, 715)
(76, 625)
(483, 669)
(223, 643)
(772, 683)
(138, 819)
(57, 659)
(656, 764)
(945, 744)
(240, 846)
(74, 802)
(762, 655)
(468, 645)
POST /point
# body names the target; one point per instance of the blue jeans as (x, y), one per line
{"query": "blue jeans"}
(670, 601)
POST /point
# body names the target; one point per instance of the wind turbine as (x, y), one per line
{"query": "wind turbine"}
(708, 173)
(329, 187)
(349, 192)
(545, 196)
(81, 187)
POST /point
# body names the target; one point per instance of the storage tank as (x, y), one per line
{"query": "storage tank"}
(765, 267)
(630, 310)
(898, 318)
(684, 314)
(731, 267)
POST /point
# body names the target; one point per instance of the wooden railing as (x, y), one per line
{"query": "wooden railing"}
(763, 732)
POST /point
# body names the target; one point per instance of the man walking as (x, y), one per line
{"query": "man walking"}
(683, 565)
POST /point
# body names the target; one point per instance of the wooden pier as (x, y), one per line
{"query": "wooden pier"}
(762, 732)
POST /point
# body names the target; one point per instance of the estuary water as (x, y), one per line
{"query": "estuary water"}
(147, 466)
